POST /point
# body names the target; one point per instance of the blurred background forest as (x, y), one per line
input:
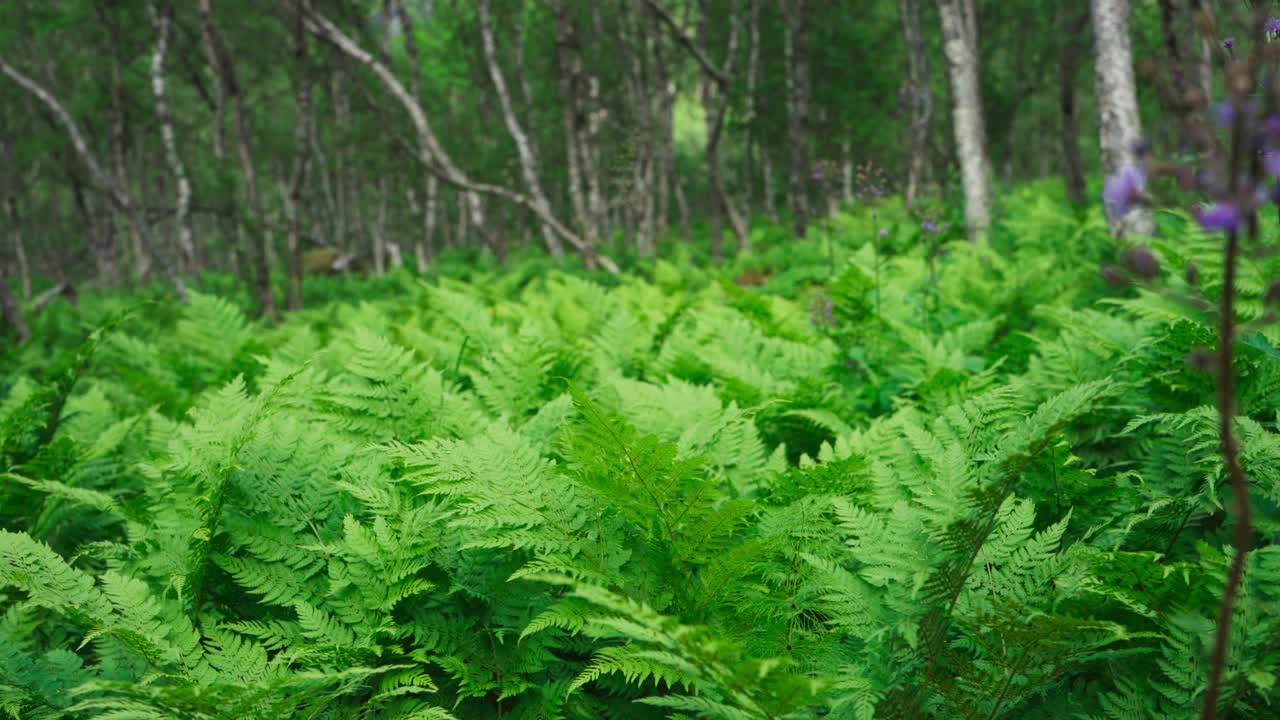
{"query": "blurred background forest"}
(145, 140)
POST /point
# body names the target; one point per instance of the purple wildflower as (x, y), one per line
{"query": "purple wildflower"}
(1229, 43)
(1272, 26)
(1273, 125)
(928, 226)
(820, 311)
(1221, 216)
(1124, 190)
(884, 232)
(1225, 112)
(1271, 161)
(1142, 262)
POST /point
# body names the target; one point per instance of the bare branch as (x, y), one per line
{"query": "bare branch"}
(681, 36)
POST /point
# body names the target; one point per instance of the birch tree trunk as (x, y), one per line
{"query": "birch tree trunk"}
(424, 247)
(633, 43)
(1119, 127)
(524, 148)
(19, 247)
(589, 154)
(380, 246)
(752, 102)
(430, 153)
(960, 45)
(257, 236)
(163, 20)
(114, 187)
(918, 99)
(429, 222)
(569, 77)
(463, 227)
(1204, 68)
(348, 228)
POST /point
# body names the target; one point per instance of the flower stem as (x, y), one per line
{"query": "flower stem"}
(1235, 475)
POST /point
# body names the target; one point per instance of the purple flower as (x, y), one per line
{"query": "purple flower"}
(1272, 26)
(1124, 190)
(1229, 43)
(1271, 161)
(884, 232)
(1221, 216)
(820, 311)
(928, 226)
(1142, 262)
(1225, 112)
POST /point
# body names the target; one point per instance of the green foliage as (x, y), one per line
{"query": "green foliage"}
(534, 496)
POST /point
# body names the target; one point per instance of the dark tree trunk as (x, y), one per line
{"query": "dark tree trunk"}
(570, 78)
(301, 157)
(424, 249)
(257, 235)
(10, 310)
(1069, 54)
(109, 15)
(796, 14)
(918, 99)
(716, 85)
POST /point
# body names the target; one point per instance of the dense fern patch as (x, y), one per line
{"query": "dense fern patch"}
(884, 483)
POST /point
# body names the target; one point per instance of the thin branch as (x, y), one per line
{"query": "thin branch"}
(681, 36)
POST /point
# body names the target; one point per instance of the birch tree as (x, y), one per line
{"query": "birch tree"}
(430, 152)
(960, 45)
(115, 188)
(524, 146)
(1119, 127)
(163, 21)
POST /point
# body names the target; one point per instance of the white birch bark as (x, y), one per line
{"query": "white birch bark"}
(114, 187)
(960, 45)
(431, 154)
(1119, 127)
(524, 148)
(163, 21)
